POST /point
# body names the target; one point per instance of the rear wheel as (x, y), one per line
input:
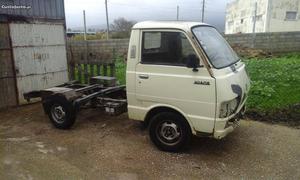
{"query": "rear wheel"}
(170, 131)
(61, 113)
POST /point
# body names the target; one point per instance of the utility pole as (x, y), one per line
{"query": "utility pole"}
(86, 47)
(267, 26)
(84, 24)
(254, 17)
(107, 23)
(177, 12)
(203, 7)
(254, 25)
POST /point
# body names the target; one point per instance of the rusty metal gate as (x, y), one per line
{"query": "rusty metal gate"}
(8, 92)
(32, 48)
(39, 53)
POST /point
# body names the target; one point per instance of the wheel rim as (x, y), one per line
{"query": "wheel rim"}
(58, 113)
(168, 132)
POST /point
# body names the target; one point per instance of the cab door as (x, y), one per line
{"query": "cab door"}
(162, 78)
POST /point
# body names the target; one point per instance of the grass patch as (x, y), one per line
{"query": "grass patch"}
(120, 66)
(120, 70)
(275, 83)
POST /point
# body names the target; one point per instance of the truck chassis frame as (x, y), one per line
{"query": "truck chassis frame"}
(63, 102)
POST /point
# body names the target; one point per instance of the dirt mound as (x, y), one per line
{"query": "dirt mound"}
(250, 52)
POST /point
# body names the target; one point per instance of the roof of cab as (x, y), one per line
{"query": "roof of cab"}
(184, 25)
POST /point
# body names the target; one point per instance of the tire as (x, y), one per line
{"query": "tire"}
(61, 113)
(170, 131)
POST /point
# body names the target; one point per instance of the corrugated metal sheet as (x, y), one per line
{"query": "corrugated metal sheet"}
(48, 9)
(39, 56)
(7, 81)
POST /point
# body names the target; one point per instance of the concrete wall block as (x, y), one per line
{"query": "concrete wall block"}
(275, 42)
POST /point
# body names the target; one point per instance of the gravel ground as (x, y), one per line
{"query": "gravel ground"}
(104, 147)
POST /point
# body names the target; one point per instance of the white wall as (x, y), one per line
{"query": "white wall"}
(278, 21)
(239, 16)
(270, 16)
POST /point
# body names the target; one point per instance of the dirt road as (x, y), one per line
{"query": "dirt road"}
(104, 147)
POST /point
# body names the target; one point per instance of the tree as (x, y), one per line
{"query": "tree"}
(121, 28)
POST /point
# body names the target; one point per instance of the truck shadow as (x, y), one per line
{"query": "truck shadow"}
(199, 145)
(217, 148)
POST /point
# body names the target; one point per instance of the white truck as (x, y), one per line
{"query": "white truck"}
(182, 79)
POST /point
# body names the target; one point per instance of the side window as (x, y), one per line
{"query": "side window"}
(169, 48)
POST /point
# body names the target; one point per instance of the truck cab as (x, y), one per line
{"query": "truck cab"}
(183, 79)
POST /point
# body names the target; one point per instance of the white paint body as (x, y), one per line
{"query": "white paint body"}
(39, 52)
(174, 86)
(270, 16)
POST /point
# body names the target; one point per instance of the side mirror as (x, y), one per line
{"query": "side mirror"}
(192, 62)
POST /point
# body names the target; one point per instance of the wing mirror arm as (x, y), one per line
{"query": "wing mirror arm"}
(195, 69)
(193, 62)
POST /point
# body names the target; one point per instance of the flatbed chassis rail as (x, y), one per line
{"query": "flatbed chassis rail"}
(63, 102)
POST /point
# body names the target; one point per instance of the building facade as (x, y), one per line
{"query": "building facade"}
(271, 16)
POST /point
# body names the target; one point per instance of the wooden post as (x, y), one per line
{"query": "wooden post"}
(86, 73)
(79, 69)
(105, 69)
(98, 70)
(112, 70)
(95, 69)
(71, 63)
(112, 65)
(71, 71)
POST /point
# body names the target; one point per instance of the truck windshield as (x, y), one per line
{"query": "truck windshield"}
(215, 46)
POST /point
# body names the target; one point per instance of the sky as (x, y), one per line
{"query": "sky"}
(141, 10)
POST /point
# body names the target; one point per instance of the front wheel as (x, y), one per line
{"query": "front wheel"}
(170, 131)
(61, 113)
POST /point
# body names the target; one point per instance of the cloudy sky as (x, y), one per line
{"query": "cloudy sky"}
(140, 10)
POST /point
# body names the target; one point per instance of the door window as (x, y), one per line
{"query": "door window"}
(166, 48)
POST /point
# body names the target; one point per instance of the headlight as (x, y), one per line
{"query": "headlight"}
(228, 108)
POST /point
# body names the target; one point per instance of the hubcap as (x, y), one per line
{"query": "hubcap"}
(169, 132)
(58, 113)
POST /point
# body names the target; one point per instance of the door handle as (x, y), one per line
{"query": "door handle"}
(143, 76)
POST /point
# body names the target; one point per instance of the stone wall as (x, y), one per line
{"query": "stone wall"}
(106, 49)
(270, 42)
(94, 51)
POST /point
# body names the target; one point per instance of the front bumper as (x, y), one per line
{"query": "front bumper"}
(230, 126)
(227, 125)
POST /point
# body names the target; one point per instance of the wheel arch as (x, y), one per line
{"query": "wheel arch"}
(166, 108)
(47, 101)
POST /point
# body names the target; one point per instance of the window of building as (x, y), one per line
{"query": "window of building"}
(259, 18)
(291, 15)
(170, 48)
(242, 21)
